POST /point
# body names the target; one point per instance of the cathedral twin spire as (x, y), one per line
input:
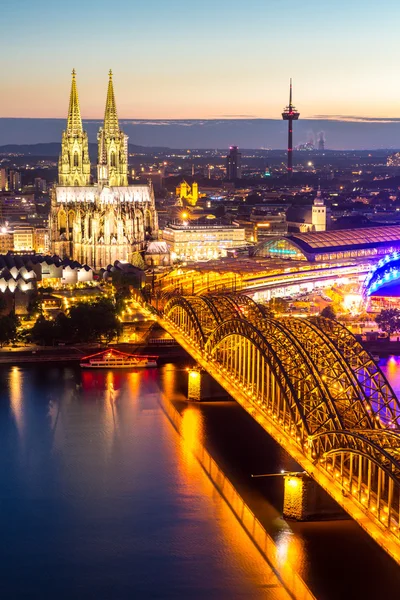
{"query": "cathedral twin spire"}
(74, 162)
(110, 115)
(112, 166)
(74, 123)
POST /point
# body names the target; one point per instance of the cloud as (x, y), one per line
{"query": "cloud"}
(356, 119)
(235, 117)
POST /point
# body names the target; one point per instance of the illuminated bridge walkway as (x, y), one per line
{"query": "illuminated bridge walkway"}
(313, 387)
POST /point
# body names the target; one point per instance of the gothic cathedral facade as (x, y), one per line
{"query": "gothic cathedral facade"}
(97, 223)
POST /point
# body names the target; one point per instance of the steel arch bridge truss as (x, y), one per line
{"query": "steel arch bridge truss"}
(313, 381)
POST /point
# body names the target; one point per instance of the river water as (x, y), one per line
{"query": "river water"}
(101, 498)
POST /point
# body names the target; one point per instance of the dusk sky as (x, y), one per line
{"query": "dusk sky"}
(201, 59)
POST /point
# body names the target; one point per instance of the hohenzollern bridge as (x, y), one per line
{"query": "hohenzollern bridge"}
(313, 387)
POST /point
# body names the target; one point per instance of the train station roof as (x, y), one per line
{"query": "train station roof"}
(346, 239)
(331, 245)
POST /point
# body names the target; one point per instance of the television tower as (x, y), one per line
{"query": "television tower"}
(290, 114)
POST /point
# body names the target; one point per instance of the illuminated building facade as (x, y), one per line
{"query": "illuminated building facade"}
(202, 241)
(10, 180)
(318, 213)
(41, 240)
(234, 164)
(98, 223)
(21, 275)
(3, 180)
(25, 272)
(308, 218)
(188, 193)
(6, 241)
(24, 238)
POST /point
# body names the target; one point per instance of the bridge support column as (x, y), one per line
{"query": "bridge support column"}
(305, 500)
(194, 384)
(298, 489)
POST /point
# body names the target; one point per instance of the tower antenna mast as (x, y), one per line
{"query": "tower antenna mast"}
(290, 114)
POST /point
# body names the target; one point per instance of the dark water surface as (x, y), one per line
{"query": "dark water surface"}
(100, 497)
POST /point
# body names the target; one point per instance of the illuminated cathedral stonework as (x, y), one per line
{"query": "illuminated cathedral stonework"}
(98, 223)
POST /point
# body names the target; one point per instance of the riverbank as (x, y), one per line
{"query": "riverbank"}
(382, 348)
(165, 351)
(61, 354)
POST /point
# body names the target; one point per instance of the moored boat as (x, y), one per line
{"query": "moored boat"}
(114, 359)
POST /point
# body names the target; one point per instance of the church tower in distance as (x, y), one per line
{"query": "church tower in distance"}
(74, 161)
(112, 169)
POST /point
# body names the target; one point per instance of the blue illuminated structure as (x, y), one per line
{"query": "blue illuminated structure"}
(335, 245)
(282, 251)
(384, 278)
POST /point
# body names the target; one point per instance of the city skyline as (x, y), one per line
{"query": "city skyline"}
(225, 60)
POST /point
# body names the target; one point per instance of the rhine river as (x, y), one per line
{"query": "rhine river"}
(100, 498)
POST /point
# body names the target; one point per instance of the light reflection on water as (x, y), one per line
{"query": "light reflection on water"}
(192, 434)
(100, 497)
(16, 397)
(391, 368)
(291, 548)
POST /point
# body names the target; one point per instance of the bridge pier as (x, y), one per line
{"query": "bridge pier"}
(305, 500)
(201, 386)
(194, 384)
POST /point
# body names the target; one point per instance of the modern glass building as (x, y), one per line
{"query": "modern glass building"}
(333, 245)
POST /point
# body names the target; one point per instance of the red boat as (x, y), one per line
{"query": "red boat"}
(114, 359)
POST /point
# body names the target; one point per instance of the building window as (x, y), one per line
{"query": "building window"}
(112, 159)
(76, 159)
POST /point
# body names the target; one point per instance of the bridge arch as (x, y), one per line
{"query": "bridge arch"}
(181, 312)
(237, 305)
(346, 391)
(206, 313)
(318, 404)
(226, 306)
(365, 465)
(383, 402)
(249, 308)
(248, 356)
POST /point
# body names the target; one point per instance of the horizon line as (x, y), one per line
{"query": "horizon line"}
(333, 118)
(223, 148)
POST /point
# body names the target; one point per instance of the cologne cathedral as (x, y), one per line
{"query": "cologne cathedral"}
(98, 222)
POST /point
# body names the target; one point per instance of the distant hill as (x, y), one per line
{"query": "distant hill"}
(32, 149)
(341, 132)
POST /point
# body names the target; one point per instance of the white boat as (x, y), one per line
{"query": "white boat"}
(114, 359)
